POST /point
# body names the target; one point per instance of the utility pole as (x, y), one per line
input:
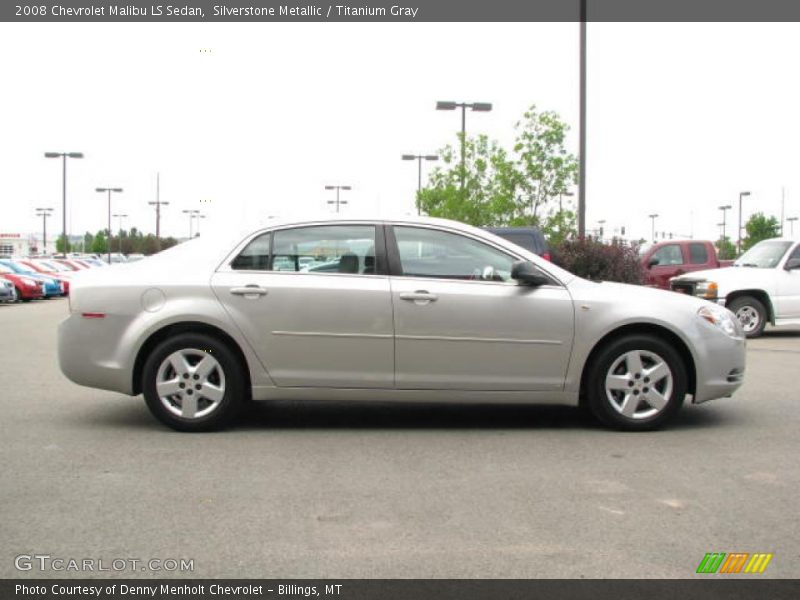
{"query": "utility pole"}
(582, 138)
(158, 204)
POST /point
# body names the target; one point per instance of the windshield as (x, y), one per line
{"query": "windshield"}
(764, 255)
(5, 269)
(18, 268)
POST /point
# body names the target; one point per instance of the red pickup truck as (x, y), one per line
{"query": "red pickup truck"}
(671, 258)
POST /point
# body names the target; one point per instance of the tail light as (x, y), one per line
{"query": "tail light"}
(547, 256)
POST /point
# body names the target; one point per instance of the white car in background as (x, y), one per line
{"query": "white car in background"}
(762, 286)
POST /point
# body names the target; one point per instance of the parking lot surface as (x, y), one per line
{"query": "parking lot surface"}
(351, 490)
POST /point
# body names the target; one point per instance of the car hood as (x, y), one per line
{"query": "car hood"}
(730, 276)
(641, 301)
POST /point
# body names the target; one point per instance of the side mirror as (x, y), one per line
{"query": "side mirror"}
(653, 262)
(792, 264)
(526, 273)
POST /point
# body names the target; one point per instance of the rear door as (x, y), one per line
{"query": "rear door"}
(315, 305)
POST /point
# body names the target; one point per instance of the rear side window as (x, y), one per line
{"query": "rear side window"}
(347, 249)
(698, 254)
(255, 256)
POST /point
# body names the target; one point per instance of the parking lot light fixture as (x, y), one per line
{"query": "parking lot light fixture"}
(45, 213)
(120, 217)
(419, 158)
(653, 218)
(739, 243)
(724, 208)
(475, 107)
(338, 201)
(109, 191)
(191, 214)
(64, 156)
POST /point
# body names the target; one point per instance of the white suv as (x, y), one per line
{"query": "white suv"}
(762, 286)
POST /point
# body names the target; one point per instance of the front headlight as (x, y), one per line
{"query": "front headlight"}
(722, 318)
(707, 289)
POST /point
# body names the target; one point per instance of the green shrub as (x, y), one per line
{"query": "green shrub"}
(597, 261)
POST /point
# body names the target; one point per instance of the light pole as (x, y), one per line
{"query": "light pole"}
(337, 202)
(191, 214)
(791, 227)
(653, 218)
(44, 213)
(120, 216)
(198, 216)
(419, 158)
(476, 107)
(739, 243)
(725, 208)
(64, 156)
(158, 204)
(109, 190)
(582, 124)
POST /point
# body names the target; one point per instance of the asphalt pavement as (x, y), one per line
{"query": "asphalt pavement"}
(351, 490)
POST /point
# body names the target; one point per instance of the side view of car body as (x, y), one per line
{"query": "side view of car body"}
(762, 286)
(416, 309)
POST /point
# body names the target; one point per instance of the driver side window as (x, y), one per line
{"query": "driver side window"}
(432, 253)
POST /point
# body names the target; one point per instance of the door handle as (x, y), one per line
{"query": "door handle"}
(419, 297)
(249, 290)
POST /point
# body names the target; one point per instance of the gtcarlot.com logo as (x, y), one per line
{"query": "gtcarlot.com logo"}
(734, 562)
(46, 562)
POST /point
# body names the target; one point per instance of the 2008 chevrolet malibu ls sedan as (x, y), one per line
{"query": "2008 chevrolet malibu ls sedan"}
(401, 309)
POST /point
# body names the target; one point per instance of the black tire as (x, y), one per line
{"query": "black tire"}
(232, 371)
(750, 304)
(602, 406)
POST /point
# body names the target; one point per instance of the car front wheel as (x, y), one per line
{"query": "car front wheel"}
(193, 382)
(636, 383)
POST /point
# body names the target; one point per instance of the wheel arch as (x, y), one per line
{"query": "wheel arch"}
(647, 329)
(760, 295)
(172, 329)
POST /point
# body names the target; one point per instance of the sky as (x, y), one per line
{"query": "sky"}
(248, 120)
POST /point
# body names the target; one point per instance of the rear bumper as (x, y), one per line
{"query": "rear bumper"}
(88, 353)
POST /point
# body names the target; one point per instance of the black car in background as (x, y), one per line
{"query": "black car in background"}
(529, 238)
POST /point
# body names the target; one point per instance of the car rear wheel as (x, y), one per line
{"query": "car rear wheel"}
(752, 315)
(636, 383)
(193, 382)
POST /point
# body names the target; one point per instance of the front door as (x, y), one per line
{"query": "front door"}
(461, 322)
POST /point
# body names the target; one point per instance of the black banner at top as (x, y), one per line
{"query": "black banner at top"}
(396, 11)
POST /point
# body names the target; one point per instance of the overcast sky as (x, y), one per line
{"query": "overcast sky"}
(681, 116)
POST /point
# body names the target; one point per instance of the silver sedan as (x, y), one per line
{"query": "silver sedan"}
(403, 309)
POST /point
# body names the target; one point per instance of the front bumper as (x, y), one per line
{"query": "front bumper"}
(720, 366)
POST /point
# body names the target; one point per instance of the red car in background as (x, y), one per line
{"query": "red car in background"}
(671, 258)
(59, 272)
(27, 288)
(70, 264)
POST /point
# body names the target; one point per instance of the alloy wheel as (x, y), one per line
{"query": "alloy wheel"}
(190, 383)
(639, 384)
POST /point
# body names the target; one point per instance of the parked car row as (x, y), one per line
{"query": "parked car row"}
(37, 278)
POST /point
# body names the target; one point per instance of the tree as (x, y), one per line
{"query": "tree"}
(502, 189)
(60, 246)
(760, 227)
(100, 243)
(726, 250)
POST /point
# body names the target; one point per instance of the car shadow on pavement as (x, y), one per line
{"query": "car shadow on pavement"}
(290, 415)
(781, 333)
